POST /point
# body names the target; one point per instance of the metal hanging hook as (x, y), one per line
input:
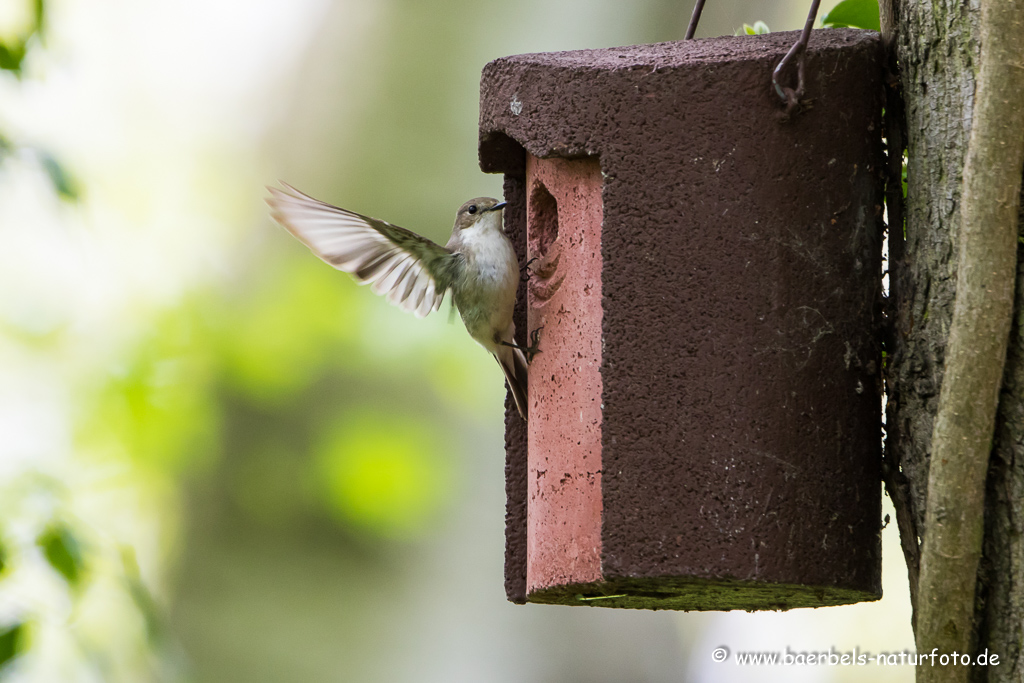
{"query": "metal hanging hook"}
(799, 50)
(694, 19)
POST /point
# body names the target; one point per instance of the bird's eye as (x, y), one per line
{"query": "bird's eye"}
(472, 208)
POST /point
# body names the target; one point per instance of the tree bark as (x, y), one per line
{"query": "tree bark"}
(936, 51)
(937, 44)
(976, 350)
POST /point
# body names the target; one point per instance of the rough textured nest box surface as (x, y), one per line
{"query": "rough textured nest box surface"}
(705, 413)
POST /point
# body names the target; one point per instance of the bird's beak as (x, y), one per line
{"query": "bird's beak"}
(498, 207)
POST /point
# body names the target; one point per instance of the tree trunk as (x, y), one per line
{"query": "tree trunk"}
(937, 48)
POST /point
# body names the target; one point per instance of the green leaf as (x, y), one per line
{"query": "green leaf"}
(853, 14)
(759, 28)
(63, 182)
(11, 642)
(63, 553)
(11, 57)
(3, 556)
(12, 54)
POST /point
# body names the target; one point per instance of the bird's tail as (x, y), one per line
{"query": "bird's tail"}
(515, 368)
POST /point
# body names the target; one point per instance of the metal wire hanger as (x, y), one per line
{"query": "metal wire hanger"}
(790, 96)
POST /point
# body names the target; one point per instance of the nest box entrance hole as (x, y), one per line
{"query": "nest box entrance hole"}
(542, 219)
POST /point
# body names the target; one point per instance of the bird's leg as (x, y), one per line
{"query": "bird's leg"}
(531, 350)
(534, 348)
(524, 271)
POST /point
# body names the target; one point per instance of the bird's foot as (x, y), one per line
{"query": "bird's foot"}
(524, 271)
(534, 348)
(531, 350)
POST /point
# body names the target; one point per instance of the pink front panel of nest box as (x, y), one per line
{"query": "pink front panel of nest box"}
(563, 234)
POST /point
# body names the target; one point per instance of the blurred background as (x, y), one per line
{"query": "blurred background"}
(220, 460)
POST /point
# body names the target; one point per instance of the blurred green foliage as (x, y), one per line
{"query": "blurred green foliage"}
(290, 389)
(853, 14)
(293, 321)
(383, 473)
(65, 185)
(13, 52)
(156, 628)
(61, 549)
(158, 409)
(12, 643)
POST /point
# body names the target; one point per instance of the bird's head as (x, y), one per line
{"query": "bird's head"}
(482, 213)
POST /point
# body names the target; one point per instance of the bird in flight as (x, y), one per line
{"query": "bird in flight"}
(478, 265)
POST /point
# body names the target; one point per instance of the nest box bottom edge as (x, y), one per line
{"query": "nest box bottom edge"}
(694, 594)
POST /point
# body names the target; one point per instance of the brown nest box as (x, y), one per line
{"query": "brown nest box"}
(705, 412)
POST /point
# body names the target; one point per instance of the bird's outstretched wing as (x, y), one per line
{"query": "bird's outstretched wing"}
(410, 270)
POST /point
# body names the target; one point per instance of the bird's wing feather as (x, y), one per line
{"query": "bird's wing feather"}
(410, 270)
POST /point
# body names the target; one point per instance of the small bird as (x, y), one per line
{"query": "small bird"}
(478, 264)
